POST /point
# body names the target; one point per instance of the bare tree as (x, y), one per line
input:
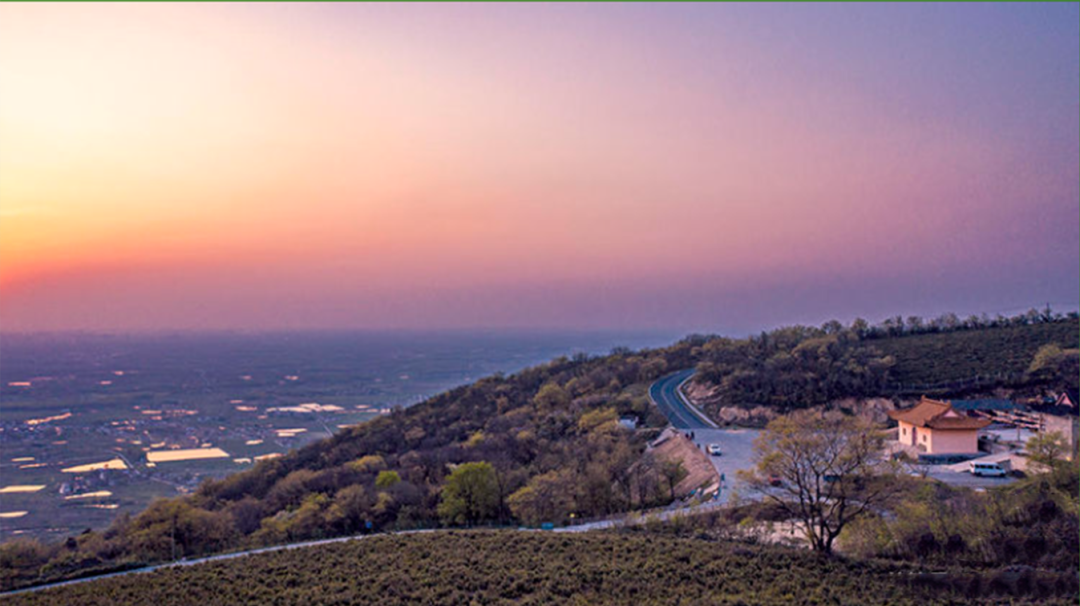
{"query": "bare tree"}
(673, 472)
(824, 470)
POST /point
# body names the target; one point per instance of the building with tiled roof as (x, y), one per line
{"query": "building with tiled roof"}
(934, 427)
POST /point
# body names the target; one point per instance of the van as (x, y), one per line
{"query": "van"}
(993, 470)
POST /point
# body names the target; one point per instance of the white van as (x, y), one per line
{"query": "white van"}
(993, 470)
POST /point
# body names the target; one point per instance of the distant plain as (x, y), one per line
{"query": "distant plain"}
(82, 400)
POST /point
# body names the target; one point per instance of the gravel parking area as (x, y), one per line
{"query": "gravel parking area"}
(737, 446)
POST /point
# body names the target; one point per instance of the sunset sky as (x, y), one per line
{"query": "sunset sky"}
(692, 167)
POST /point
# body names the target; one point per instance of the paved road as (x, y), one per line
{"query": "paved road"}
(736, 444)
(666, 395)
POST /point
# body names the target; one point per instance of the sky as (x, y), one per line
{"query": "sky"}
(698, 167)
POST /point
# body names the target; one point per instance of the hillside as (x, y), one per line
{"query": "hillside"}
(796, 367)
(529, 448)
(942, 358)
(488, 567)
(540, 446)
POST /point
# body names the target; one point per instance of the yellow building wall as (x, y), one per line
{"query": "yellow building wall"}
(922, 439)
(906, 433)
(950, 441)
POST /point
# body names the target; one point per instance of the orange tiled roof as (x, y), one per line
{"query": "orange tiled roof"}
(936, 414)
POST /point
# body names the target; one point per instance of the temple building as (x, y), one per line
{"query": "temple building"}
(933, 427)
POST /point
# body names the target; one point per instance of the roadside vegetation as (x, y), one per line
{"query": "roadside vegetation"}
(1018, 530)
(827, 478)
(1031, 523)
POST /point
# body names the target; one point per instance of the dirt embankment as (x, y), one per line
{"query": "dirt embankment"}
(672, 445)
(705, 397)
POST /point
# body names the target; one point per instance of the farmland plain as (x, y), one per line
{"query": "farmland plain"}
(119, 420)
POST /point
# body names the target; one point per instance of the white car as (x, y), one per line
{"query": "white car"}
(993, 470)
(714, 450)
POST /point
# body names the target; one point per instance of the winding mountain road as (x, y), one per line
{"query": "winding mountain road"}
(668, 397)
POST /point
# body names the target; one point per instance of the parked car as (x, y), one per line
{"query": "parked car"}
(993, 470)
(775, 480)
(714, 450)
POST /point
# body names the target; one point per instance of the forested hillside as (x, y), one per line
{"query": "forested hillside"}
(489, 567)
(529, 448)
(802, 366)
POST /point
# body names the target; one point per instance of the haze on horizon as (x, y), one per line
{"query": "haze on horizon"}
(700, 167)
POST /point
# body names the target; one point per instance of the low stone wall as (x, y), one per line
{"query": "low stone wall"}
(947, 459)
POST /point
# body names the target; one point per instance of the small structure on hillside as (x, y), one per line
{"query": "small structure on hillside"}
(1062, 416)
(1067, 399)
(935, 428)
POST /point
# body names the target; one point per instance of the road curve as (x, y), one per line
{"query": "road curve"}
(669, 399)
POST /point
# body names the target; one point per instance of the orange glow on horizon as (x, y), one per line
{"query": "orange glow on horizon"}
(380, 160)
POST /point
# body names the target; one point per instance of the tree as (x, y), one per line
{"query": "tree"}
(171, 528)
(547, 497)
(1047, 448)
(832, 469)
(551, 396)
(949, 321)
(673, 472)
(367, 464)
(915, 324)
(893, 326)
(832, 327)
(351, 507)
(470, 495)
(23, 552)
(652, 369)
(386, 479)
(1052, 363)
(599, 418)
